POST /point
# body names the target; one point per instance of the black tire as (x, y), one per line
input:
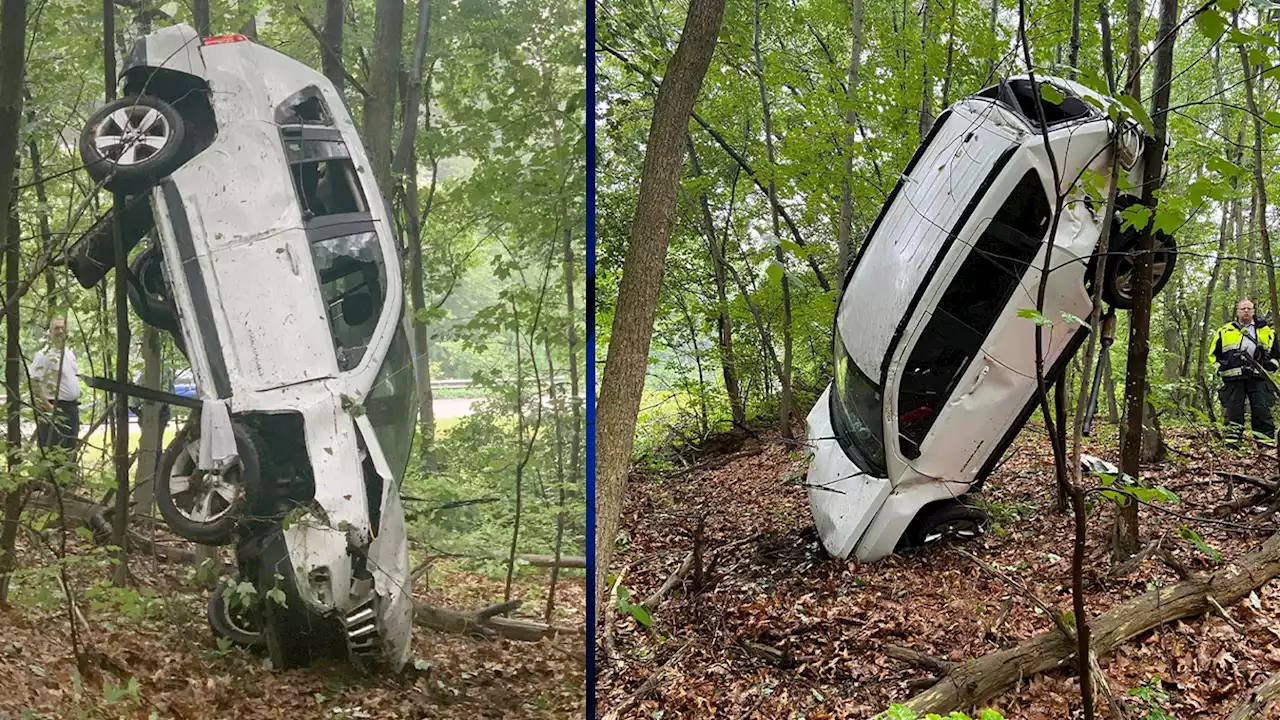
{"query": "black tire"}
(149, 291)
(128, 149)
(948, 521)
(240, 627)
(219, 530)
(1119, 274)
(295, 637)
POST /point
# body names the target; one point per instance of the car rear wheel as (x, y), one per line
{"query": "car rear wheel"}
(203, 506)
(240, 625)
(1120, 278)
(149, 291)
(131, 144)
(951, 521)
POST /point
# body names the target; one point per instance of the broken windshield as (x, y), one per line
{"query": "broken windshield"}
(392, 404)
(857, 412)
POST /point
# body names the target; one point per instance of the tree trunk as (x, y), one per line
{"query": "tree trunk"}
(1108, 62)
(571, 333)
(1257, 699)
(331, 43)
(561, 482)
(12, 379)
(724, 323)
(925, 119)
(951, 49)
(406, 162)
(1109, 387)
(1073, 51)
(149, 445)
(200, 14)
(785, 403)
(1125, 537)
(845, 237)
(628, 357)
(995, 16)
(1264, 235)
(978, 680)
(379, 107)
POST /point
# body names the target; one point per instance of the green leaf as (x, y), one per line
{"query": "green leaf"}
(641, 614)
(277, 596)
(1035, 315)
(1194, 538)
(1212, 23)
(1074, 319)
(1258, 57)
(1239, 37)
(1230, 5)
(1051, 94)
(1135, 216)
(1167, 220)
(793, 247)
(1138, 112)
(224, 644)
(1272, 117)
(774, 271)
(421, 664)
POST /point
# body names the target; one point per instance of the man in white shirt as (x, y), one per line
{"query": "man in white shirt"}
(56, 390)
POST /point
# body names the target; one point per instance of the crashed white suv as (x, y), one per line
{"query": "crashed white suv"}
(934, 368)
(275, 267)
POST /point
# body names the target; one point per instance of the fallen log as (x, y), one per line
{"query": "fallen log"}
(1256, 701)
(978, 680)
(939, 666)
(485, 622)
(654, 600)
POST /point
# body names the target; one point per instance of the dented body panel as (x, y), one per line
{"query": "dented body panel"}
(241, 256)
(928, 418)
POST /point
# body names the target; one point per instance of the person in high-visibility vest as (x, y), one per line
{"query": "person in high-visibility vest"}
(1242, 350)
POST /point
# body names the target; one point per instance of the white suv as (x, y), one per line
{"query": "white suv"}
(275, 267)
(934, 368)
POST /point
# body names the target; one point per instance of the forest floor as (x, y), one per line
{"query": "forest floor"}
(780, 630)
(155, 639)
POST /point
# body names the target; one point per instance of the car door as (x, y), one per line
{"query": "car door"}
(951, 395)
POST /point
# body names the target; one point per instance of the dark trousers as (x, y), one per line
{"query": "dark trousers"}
(62, 428)
(1258, 393)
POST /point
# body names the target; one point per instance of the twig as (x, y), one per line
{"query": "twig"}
(1223, 612)
(1053, 613)
(1117, 710)
(915, 657)
(647, 686)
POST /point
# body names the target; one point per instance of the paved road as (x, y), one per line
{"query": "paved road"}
(446, 408)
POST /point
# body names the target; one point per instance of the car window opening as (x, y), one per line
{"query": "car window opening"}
(1021, 96)
(328, 187)
(305, 107)
(353, 285)
(969, 309)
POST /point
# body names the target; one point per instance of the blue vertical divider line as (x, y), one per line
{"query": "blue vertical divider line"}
(590, 362)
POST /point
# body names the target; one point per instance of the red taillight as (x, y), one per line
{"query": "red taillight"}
(220, 39)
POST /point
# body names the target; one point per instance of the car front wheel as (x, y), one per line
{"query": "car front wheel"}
(951, 521)
(1120, 279)
(200, 505)
(131, 144)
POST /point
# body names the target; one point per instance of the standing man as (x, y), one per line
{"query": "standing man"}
(56, 391)
(1242, 350)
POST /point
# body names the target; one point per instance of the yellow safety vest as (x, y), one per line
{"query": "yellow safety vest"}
(1229, 356)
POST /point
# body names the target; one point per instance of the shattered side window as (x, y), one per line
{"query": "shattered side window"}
(353, 284)
(969, 309)
(328, 187)
(392, 404)
(305, 107)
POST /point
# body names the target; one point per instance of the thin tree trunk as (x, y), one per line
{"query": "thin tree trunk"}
(379, 107)
(951, 49)
(995, 15)
(724, 323)
(331, 43)
(557, 409)
(1108, 62)
(571, 333)
(628, 357)
(1073, 50)
(406, 163)
(925, 119)
(200, 14)
(515, 526)
(12, 381)
(149, 443)
(845, 234)
(1125, 538)
(1264, 235)
(1109, 387)
(785, 402)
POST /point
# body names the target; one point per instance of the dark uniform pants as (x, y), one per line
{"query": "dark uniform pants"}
(1258, 393)
(62, 428)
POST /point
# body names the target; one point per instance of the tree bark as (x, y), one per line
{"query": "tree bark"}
(845, 233)
(200, 14)
(1125, 541)
(628, 358)
(1109, 387)
(785, 402)
(978, 680)
(951, 49)
(556, 409)
(1264, 235)
(331, 44)
(724, 323)
(13, 22)
(149, 444)
(13, 499)
(1257, 699)
(1073, 52)
(925, 118)
(379, 107)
